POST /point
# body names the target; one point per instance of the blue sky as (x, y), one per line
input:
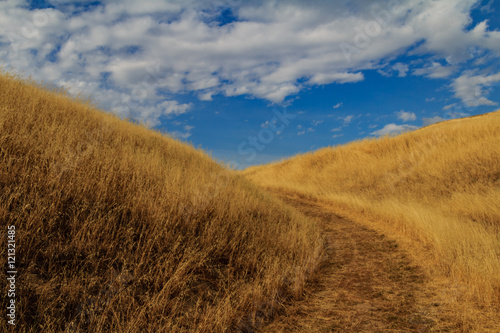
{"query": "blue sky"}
(257, 81)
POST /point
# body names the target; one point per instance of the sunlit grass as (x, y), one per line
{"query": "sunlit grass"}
(121, 229)
(436, 189)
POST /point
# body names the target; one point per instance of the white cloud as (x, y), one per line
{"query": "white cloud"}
(127, 55)
(471, 90)
(336, 129)
(183, 134)
(488, 7)
(435, 70)
(446, 36)
(323, 78)
(385, 72)
(433, 120)
(406, 116)
(391, 129)
(449, 106)
(402, 69)
(173, 107)
(338, 105)
(347, 119)
(180, 135)
(456, 114)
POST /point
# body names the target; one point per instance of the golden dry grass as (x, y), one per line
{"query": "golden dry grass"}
(436, 190)
(119, 228)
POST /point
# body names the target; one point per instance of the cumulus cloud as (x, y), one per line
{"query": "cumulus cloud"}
(446, 36)
(406, 116)
(130, 55)
(472, 89)
(391, 129)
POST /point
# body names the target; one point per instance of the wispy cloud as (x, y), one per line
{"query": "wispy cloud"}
(435, 70)
(488, 7)
(402, 69)
(433, 120)
(347, 119)
(183, 134)
(449, 106)
(391, 129)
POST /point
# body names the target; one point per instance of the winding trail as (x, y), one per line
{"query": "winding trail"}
(365, 284)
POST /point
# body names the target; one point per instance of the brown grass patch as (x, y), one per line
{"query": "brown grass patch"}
(119, 228)
(436, 190)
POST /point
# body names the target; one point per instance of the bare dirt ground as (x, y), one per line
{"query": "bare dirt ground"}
(366, 284)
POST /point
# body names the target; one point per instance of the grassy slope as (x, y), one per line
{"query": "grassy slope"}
(119, 228)
(436, 189)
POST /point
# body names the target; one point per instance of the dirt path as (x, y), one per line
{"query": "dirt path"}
(366, 284)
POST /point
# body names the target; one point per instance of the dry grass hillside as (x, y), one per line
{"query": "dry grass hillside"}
(436, 190)
(122, 229)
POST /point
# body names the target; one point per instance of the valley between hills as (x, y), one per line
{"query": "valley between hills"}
(124, 229)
